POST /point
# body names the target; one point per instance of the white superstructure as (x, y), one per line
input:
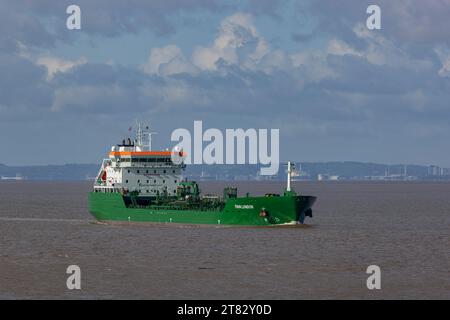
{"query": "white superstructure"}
(133, 166)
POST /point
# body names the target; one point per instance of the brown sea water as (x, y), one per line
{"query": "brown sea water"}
(402, 227)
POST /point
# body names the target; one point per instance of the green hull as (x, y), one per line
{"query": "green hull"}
(285, 209)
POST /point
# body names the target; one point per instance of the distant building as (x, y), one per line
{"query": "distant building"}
(434, 171)
(18, 177)
(327, 177)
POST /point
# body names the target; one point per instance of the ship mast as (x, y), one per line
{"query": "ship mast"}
(139, 141)
(289, 174)
(142, 135)
(150, 133)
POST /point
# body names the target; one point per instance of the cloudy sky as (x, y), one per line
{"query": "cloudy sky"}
(336, 90)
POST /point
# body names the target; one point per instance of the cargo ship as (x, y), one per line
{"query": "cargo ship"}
(138, 184)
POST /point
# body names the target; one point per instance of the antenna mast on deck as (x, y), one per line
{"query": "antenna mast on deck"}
(290, 167)
(142, 135)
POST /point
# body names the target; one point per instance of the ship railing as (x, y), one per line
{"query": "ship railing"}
(144, 165)
(106, 189)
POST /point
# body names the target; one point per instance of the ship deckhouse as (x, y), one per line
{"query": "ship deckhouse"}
(133, 166)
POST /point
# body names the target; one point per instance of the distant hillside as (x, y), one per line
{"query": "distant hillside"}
(311, 170)
(358, 169)
(345, 170)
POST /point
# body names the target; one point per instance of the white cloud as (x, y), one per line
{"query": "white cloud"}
(55, 64)
(378, 51)
(167, 61)
(253, 69)
(444, 55)
(340, 48)
(314, 63)
(237, 43)
(52, 63)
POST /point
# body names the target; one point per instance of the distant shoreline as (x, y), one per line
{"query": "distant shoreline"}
(305, 171)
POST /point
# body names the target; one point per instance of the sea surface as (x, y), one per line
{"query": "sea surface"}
(404, 228)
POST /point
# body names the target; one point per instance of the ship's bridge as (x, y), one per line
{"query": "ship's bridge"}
(145, 158)
(134, 166)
